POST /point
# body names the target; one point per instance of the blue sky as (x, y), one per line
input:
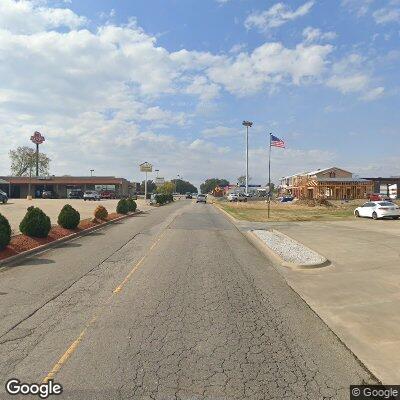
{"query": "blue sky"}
(115, 83)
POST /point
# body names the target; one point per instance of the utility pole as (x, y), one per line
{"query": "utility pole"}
(247, 124)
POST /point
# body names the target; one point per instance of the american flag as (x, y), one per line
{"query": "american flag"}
(276, 142)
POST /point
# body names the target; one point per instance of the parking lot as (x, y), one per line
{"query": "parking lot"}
(15, 209)
(358, 296)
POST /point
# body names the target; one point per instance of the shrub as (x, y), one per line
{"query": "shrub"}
(122, 207)
(35, 223)
(100, 213)
(68, 218)
(5, 232)
(162, 198)
(131, 204)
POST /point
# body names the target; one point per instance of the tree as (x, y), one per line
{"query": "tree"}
(167, 188)
(151, 186)
(241, 180)
(210, 184)
(183, 187)
(23, 160)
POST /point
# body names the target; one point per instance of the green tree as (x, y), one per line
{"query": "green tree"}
(210, 184)
(23, 160)
(151, 186)
(183, 187)
(167, 188)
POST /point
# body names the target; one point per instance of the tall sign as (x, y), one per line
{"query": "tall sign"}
(145, 167)
(38, 139)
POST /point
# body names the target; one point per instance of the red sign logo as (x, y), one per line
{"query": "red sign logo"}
(37, 138)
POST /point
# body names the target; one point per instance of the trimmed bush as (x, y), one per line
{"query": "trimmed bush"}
(131, 204)
(69, 218)
(5, 232)
(100, 213)
(162, 198)
(122, 207)
(35, 223)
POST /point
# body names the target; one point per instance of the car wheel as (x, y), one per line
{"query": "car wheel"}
(357, 214)
(395, 217)
(374, 215)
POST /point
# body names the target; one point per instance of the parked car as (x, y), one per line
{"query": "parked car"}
(188, 195)
(201, 198)
(107, 194)
(133, 196)
(378, 197)
(49, 194)
(75, 194)
(242, 197)
(91, 195)
(232, 197)
(378, 209)
(286, 199)
(3, 197)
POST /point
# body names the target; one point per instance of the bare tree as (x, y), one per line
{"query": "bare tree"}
(23, 160)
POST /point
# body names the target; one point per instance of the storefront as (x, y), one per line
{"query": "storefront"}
(21, 187)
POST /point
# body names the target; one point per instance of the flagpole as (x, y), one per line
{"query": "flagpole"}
(269, 175)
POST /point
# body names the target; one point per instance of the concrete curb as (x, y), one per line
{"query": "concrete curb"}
(10, 261)
(233, 219)
(267, 251)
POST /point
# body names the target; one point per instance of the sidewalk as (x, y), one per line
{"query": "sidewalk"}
(358, 296)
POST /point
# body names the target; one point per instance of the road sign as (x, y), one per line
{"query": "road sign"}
(37, 138)
(146, 167)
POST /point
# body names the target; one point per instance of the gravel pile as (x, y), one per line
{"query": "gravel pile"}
(288, 249)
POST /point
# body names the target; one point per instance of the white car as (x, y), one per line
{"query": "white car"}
(378, 209)
(91, 195)
(201, 198)
(232, 197)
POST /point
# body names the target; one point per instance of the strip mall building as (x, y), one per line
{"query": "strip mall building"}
(330, 183)
(19, 187)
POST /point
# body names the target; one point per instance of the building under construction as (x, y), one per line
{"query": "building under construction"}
(329, 183)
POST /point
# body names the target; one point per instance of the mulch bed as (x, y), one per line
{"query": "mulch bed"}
(21, 243)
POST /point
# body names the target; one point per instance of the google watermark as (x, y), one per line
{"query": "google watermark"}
(44, 390)
(374, 392)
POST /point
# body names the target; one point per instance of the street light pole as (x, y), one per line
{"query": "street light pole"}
(247, 124)
(91, 172)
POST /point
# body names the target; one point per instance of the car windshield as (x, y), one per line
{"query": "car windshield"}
(386, 204)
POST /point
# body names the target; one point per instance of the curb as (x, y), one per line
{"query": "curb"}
(267, 251)
(233, 219)
(10, 261)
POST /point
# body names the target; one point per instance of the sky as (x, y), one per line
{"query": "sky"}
(114, 83)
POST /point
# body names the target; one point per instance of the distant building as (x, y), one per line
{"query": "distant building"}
(330, 183)
(18, 186)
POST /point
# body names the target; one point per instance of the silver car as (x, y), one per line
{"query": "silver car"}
(201, 198)
(91, 195)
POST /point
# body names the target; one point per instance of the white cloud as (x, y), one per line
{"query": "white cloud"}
(314, 34)
(350, 75)
(270, 63)
(219, 131)
(359, 7)
(386, 15)
(374, 94)
(276, 16)
(24, 17)
(202, 87)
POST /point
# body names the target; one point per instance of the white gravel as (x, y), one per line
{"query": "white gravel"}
(289, 249)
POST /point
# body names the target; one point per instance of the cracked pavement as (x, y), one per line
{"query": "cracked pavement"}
(205, 316)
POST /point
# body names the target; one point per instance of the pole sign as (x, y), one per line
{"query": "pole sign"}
(146, 167)
(37, 138)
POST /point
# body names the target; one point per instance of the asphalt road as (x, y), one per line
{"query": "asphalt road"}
(174, 304)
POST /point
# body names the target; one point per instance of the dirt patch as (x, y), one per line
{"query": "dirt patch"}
(315, 203)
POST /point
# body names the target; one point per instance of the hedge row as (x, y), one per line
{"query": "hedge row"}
(37, 224)
(164, 198)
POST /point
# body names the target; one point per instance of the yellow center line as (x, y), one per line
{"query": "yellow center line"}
(75, 344)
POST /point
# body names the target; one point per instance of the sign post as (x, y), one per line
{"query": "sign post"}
(37, 138)
(145, 167)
